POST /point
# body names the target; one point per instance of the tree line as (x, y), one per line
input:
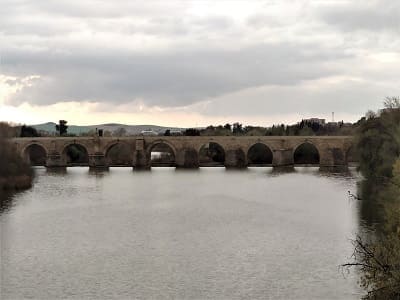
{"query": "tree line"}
(303, 128)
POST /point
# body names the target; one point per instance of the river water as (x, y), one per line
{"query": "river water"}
(166, 233)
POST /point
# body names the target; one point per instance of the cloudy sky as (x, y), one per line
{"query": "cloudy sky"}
(193, 63)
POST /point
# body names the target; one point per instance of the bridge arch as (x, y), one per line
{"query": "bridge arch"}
(259, 154)
(35, 153)
(118, 153)
(75, 154)
(161, 153)
(306, 153)
(211, 154)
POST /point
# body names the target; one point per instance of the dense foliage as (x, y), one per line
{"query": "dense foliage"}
(377, 253)
(378, 142)
(28, 131)
(14, 172)
(62, 127)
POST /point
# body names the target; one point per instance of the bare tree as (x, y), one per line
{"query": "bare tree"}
(392, 102)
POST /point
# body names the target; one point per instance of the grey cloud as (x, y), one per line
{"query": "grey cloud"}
(11, 26)
(215, 22)
(167, 79)
(162, 26)
(92, 8)
(43, 18)
(175, 26)
(84, 50)
(363, 15)
(343, 97)
(258, 21)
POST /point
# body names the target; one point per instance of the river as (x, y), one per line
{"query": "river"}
(166, 233)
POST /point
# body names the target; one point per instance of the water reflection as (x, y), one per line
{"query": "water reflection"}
(61, 171)
(99, 172)
(185, 234)
(277, 171)
(335, 169)
(377, 247)
(378, 202)
(371, 209)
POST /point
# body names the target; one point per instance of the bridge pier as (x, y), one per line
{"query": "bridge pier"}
(54, 160)
(331, 157)
(235, 158)
(141, 161)
(282, 158)
(98, 161)
(187, 158)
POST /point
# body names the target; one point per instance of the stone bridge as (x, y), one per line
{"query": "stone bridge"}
(331, 150)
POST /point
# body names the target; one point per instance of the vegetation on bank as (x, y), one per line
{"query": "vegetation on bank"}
(378, 141)
(14, 172)
(377, 253)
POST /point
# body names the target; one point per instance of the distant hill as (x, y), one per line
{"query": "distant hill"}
(130, 129)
